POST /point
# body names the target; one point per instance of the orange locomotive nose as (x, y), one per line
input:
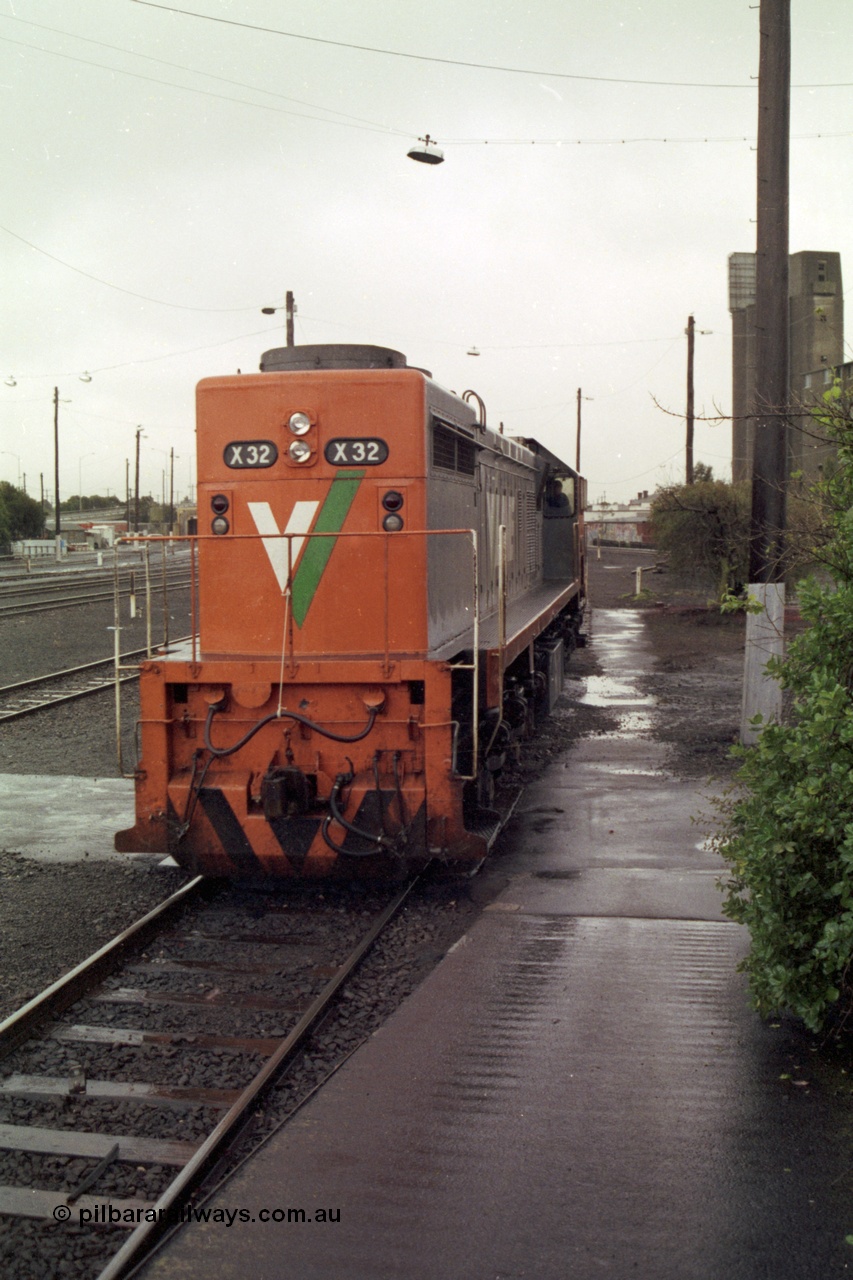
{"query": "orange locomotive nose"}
(374, 582)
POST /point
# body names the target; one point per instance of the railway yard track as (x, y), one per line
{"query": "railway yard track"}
(127, 1084)
(41, 592)
(40, 692)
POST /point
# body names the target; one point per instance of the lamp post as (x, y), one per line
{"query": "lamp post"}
(172, 456)
(136, 498)
(58, 520)
(290, 308)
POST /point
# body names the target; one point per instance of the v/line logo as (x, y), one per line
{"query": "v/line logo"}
(307, 562)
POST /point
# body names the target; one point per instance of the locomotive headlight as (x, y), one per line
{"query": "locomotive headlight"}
(299, 451)
(392, 523)
(299, 423)
(219, 525)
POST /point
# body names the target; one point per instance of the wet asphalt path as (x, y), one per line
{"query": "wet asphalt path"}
(580, 1088)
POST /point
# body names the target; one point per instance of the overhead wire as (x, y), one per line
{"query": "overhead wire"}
(458, 62)
(166, 355)
(212, 346)
(177, 66)
(621, 142)
(207, 93)
(639, 474)
(349, 121)
(178, 306)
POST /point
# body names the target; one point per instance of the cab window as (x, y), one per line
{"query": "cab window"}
(559, 498)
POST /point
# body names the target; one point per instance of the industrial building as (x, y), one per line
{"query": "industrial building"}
(815, 348)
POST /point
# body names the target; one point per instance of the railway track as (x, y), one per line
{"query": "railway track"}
(40, 692)
(25, 596)
(124, 1084)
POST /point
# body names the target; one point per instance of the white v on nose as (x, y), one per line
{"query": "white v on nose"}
(276, 546)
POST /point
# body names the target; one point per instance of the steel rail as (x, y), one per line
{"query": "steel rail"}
(27, 584)
(60, 995)
(148, 1234)
(59, 698)
(69, 602)
(84, 666)
(9, 690)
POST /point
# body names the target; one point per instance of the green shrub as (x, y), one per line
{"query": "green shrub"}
(787, 822)
(704, 527)
(20, 515)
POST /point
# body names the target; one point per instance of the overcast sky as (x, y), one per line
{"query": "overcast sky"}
(167, 175)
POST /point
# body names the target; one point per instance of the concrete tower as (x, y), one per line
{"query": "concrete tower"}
(816, 347)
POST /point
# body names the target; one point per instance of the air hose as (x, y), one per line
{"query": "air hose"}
(381, 843)
(283, 715)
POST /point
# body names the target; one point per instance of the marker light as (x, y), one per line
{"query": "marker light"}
(219, 504)
(392, 523)
(299, 423)
(393, 500)
(299, 451)
(219, 525)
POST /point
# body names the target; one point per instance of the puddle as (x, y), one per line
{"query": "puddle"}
(634, 723)
(609, 769)
(605, 691)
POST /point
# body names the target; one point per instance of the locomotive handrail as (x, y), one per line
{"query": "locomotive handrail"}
(193, 540)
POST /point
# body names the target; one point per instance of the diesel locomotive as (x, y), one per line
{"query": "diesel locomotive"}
(386, 590)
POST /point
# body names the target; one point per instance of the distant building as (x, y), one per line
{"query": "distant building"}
(815, 346)
(624, 524)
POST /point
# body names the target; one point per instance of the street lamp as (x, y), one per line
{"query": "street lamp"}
(429, 153)
(290, 308)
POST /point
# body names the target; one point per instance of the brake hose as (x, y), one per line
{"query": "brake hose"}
(282, 715)
(380, 842)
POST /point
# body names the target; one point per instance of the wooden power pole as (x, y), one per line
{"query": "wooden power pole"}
(57, 524)
(691, 343)
(578, 442)
(772, 381)
(762, 695)
(136, 490)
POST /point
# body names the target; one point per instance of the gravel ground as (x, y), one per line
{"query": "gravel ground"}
(52, 916)
(696, 679)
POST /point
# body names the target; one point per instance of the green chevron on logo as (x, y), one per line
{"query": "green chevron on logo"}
(316, 555)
